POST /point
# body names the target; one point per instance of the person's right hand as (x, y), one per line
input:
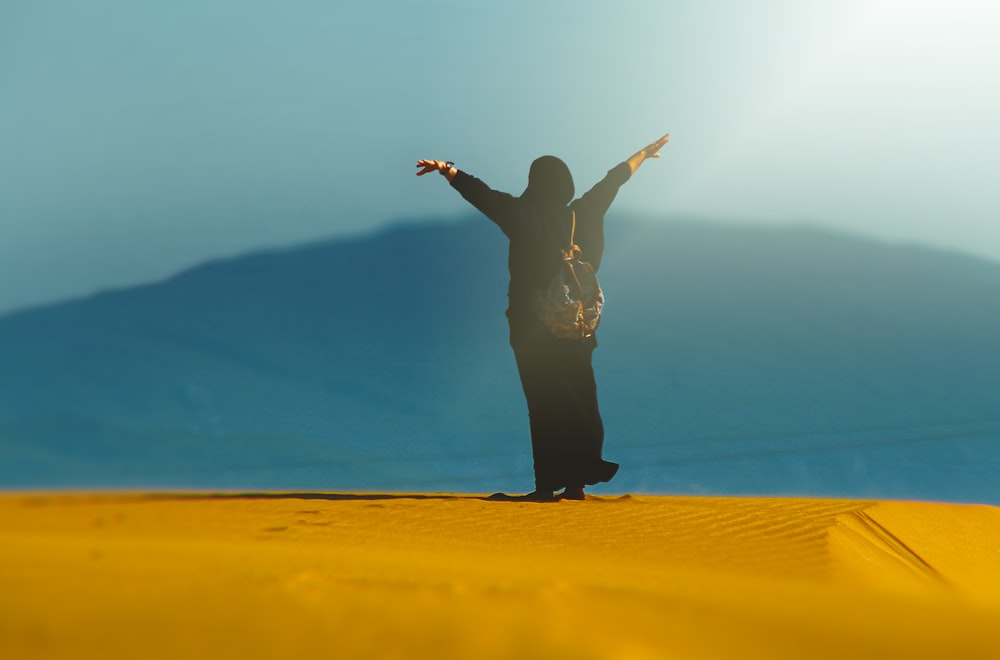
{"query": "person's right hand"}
(652, 150)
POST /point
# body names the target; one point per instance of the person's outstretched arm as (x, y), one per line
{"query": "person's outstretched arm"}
(597, 200)
(651, 150)
(500, 207)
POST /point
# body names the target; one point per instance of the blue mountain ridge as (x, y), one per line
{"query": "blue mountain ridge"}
(733, 360)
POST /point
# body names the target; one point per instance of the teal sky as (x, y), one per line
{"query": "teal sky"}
(140, 137)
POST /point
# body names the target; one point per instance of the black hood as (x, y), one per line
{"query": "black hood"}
(550, 183)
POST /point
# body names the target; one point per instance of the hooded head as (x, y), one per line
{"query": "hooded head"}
(549, 183)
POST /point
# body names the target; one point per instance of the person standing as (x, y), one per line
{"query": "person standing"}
(567, 434)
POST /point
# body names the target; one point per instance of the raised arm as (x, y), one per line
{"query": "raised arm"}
(500, 207)
(651, 150)
(597, 200)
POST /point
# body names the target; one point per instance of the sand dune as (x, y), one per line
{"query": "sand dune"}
(454, 576)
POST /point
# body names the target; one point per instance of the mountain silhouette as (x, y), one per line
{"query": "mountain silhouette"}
(733, 360)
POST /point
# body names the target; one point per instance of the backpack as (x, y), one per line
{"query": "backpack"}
(570, 306)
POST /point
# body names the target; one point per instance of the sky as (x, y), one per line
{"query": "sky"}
(141, 137)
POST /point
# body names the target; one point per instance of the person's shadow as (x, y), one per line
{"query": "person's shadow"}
(332, 497)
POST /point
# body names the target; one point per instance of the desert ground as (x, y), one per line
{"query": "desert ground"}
(396, 575)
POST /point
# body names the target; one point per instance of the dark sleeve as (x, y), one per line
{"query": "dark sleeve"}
(590, 210)
(596, 201)
(500, 207)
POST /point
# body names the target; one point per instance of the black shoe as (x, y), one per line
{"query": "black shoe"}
(573, 493)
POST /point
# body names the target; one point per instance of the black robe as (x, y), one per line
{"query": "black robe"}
(567, 434)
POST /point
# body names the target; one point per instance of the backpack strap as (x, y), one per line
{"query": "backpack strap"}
(573, 251)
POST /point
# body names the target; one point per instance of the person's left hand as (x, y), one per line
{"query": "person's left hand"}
(431, 166)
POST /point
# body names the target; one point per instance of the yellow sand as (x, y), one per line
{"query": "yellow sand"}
(450, 576)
